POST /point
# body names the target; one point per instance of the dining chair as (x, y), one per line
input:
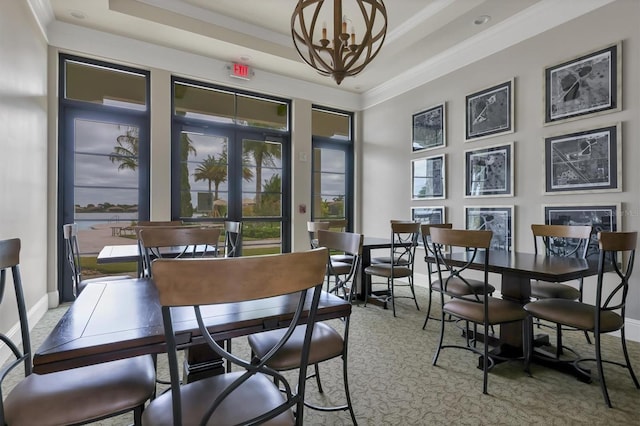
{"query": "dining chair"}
(72, 252)
(143, 268)
(232, 238)
(562, 241)
(313, 228)
(339, 225)
(474, 307)
(472, 286)
(326, 342)
(192, 241)
(617, 255)
(75, 396)
(248, 395)
(404, 239)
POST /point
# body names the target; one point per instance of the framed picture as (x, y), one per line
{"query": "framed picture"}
(584, 161)
(489, 112)
(498, 219)
(428, 215)
(603, 217)
(428, 128)
(587, 85)
(428, 178)
(488, 172)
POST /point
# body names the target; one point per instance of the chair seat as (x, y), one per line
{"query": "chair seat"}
(384, 270)
(340, 268)
(457, 287)
(500, 311)
(342, 258)
(82, 284)
(549, 290)
(82, 394)
(326, 343)
(387, 259)
(255, 396)
(574, 314)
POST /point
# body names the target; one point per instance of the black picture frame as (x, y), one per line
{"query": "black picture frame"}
(584, 161)
(489, 112)
(498, 219)
(488, 171)
(428, 214)
(603, 217)
(428, 129)
(584, 86)
(428, 178)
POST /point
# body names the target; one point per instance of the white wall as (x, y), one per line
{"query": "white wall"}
(386, 149)
(23, 155)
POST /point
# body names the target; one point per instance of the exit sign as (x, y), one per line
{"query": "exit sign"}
(241, 71)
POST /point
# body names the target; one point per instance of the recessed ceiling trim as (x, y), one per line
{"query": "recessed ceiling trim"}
(213, 18)
(532, 21)
(43, 12)
(428, 12)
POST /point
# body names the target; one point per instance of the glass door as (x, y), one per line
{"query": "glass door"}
(104, 185)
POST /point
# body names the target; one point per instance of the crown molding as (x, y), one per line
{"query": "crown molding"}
(43, 13)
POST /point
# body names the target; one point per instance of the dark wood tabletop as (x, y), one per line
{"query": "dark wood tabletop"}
(517, 270)
(121, 319)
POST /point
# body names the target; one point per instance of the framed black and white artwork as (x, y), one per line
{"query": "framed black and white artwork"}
(498, 219)
(428, 128)
(584, 86)
(488, 171)
(584, 161)
(602, 217)
(428, 214)
(489, 112)
(428, 178)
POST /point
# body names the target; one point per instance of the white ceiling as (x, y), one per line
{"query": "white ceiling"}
(257, 32)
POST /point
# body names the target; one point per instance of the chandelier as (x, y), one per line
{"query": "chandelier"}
(334, 51)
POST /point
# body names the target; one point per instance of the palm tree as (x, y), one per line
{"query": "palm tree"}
(264, 154)
(126, 151)
(214, 170)
(186, 148)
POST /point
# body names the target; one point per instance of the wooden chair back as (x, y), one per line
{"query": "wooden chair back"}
(473, 241)
(198, 282)
(194, 242)
(562, 240)
(313, 228)
(350, 244)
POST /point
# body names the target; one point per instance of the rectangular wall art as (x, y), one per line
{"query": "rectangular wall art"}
(428, 178)
(498, 219)
(603, 217)
(584, 161)
(428, 128)
(489, 112)
(587, 85)
(488, 171)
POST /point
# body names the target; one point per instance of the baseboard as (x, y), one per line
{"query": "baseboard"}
(632, 326)
(34, 315)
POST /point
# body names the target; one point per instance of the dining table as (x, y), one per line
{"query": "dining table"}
(122, 319)
(516, 270)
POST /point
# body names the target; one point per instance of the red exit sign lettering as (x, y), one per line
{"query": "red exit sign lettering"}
(240, 71)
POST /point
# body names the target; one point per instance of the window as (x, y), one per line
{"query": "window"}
(103, 158)
(332, 166)
(231, 161)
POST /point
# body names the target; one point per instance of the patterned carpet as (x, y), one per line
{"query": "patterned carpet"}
(393, 382)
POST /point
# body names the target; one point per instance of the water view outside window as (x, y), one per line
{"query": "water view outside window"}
(103, 160)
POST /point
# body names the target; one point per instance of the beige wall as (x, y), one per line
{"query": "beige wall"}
(386, 152)
(23, 154)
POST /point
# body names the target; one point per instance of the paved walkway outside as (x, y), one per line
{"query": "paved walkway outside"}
(92, 240)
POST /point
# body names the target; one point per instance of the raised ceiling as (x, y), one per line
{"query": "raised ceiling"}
(257, 32)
